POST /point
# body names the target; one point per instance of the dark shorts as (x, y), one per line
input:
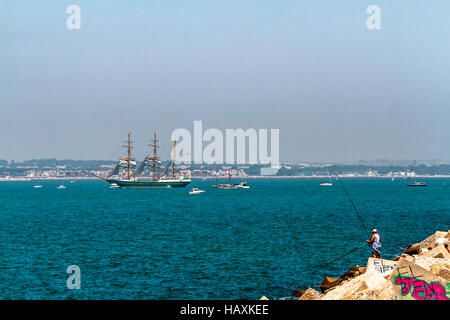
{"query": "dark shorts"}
(376, 252)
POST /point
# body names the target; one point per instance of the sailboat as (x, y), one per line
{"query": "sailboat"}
(226, 185)
(135, 179)
(416, 183)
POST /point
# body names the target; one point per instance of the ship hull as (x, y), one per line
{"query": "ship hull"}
(417, 185)
(150, 184)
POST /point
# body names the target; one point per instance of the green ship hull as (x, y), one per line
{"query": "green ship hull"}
(150, 184)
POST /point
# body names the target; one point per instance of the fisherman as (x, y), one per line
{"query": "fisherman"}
(375, 243)
(446, 247)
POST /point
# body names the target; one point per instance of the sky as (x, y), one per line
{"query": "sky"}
(336, 90)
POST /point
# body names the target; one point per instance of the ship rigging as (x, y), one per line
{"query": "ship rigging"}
(137, 178)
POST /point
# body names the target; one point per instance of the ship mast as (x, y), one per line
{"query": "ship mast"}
(415, 179)
(173, 160)
(154, 158)
(128, 159)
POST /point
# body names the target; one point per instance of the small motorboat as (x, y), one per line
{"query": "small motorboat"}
(37, 186)
(61, 187)
(326, 184)
(417, 184)
(196, 191)
(243, 185)
(114, 185)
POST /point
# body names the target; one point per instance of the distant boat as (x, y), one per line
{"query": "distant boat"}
(416, 183)
(61, 187)
(37, 186)
(243, 185)
(326, 184)
(135, 179)
(114, 185)
(226, 185)
(196, 191)
(72, 181)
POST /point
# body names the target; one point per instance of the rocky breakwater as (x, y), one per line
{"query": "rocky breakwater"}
(422, 272)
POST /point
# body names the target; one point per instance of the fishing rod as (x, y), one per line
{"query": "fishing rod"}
(362, 223)
(354, 207)
(340, 257)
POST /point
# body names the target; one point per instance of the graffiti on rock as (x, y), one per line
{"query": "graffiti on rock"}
(412, 286)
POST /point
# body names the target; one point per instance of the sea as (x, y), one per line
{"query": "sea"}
(278, 236)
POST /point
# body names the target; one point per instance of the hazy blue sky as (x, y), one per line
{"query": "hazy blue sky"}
(336, 90)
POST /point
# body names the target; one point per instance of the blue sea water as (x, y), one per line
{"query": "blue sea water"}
(222, 244)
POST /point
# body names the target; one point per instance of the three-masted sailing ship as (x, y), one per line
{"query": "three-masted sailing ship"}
(137, 178)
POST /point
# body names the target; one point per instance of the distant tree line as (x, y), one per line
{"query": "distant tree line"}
(14, 168)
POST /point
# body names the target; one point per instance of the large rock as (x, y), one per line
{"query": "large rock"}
(404, 256)
(311, 294)
(442, 270)
(329, 283)
(437, 252)
(382, 266)
(412, 282)
(413, 249)
(427, 262)
(383, 292)
(298, 293)
(354, 288)
(433, 240)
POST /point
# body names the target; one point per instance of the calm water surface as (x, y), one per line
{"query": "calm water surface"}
(222, 244)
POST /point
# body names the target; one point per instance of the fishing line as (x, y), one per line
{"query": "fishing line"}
(340, 257)
(354, 207)
(362, 223)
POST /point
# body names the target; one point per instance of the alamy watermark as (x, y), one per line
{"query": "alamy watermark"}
(374, 20)
(241, 147)
(73, 22)
(74, 280)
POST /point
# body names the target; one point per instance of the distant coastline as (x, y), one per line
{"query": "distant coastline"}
(224, 177)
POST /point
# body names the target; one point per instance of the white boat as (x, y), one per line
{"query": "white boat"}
(243, 185)
(326, 184)
(37, 187)
(61, 187)
(113, 185)
(196, 191)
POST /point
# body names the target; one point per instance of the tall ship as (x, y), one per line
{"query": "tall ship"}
(132, 177)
